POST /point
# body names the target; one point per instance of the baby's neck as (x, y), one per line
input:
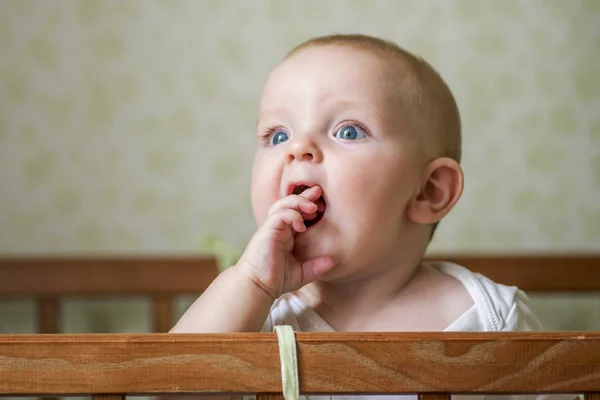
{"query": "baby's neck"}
(355, 305)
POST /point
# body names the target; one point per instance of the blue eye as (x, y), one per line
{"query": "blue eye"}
(278, 137)
(350, 132)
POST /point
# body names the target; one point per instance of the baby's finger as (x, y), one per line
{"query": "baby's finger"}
(295, 202)
(312, 193)
(285, 218)
(315, 268)
(309, 217)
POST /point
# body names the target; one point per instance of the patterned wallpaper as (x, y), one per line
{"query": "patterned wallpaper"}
(127, 126)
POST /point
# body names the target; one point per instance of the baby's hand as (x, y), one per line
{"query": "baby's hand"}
(268, 260)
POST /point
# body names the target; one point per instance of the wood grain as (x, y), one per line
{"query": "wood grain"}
(105, 275)
(336, 363)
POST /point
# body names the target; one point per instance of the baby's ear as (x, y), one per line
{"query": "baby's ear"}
(440, 190)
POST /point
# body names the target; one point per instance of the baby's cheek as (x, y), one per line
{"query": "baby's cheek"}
(264, 195)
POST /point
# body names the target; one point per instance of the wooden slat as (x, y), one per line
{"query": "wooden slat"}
(108, 397)
(49, 319)
(269, 396)
(162, 313)
(336, 363)
(106, 275)
(435, 396)
(535, 272)
(49, 316)
(592, 396)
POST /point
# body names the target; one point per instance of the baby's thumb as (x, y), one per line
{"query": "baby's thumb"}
(315, 268)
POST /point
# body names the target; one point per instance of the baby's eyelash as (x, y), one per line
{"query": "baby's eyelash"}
(361, 126)
(352, 122)
(269, 131)
(264, 136)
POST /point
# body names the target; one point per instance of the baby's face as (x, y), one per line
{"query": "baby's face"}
(327, 118)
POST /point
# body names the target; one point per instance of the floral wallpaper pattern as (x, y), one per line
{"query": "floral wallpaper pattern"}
(127, 126)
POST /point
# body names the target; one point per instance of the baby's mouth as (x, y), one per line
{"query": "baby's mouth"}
(321, 206)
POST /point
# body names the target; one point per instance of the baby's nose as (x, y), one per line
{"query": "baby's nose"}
(303, 150)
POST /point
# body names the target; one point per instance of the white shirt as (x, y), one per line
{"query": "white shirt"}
(495, 308)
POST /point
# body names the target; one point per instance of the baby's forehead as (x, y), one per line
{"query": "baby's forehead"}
(412, 88)
(346, 57)
(336, 78)
(338, 68)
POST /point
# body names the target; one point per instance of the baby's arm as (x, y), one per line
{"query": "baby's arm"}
(232, 303)
(240, 299)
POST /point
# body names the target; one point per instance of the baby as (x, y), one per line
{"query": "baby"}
(357, 160)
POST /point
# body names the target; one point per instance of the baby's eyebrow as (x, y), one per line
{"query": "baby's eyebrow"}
(328, 106)
(272, 110)
(266, 120)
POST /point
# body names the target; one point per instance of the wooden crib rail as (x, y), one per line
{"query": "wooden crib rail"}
(547, 272)
(105, 275)
(432, 364)
(49, 279)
